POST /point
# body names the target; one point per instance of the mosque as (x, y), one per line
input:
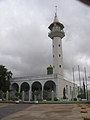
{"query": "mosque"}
(52, 84)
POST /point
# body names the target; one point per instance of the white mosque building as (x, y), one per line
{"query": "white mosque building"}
(52, 83)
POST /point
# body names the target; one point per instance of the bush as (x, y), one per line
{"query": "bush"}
(39, 99)
(64, 97)
(14, 99)
(48, 99)
(75, 99)
(18, 94)
(55, 99)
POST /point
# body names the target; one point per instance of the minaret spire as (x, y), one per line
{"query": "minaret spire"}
(56, 10)
(55, 17)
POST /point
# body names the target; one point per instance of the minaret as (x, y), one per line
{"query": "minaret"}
(56, 34)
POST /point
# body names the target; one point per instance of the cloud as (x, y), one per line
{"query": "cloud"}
(24, 44)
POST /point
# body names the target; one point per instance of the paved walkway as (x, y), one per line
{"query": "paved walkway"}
(48, 112)
(7, 109)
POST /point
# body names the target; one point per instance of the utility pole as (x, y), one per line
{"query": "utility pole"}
(86, 83)
(80, 91)
(73, 83)
(79, 76)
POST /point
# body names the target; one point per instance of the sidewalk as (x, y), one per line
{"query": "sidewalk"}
(48, 112)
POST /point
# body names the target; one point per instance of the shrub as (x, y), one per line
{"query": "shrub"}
(55, 99)
(75, 99)
(48, 99)
(18, 94)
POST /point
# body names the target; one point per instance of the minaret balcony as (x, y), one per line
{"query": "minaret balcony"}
(56, 33)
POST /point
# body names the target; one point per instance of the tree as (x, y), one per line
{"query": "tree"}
(36, 94)
(5, 77)
(18, 95)
(80, 94)
(84, 91)
(64, 93)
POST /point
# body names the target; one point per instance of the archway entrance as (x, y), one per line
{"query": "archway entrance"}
(15, 87)
(49, 87)
(25, 87)
(14, 90)
(36, 91)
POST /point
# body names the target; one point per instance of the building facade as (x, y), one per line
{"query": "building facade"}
(46, 86)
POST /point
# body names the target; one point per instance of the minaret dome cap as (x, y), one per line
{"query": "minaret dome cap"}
(56, 21)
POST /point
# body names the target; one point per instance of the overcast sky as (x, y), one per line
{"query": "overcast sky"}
(25, 48)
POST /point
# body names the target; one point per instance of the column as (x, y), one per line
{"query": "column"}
(23, 96)
(52, 95)
(42, 92)
(19, 88)
(7, 96)
(30, 93)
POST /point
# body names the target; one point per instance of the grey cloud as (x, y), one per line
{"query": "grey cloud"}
(24, 44)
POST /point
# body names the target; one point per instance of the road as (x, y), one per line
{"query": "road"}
(47, 112)
(6, 110)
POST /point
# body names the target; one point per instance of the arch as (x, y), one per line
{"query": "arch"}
(49, 86)
(25, 87)
(36, 90)
(15, 87)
